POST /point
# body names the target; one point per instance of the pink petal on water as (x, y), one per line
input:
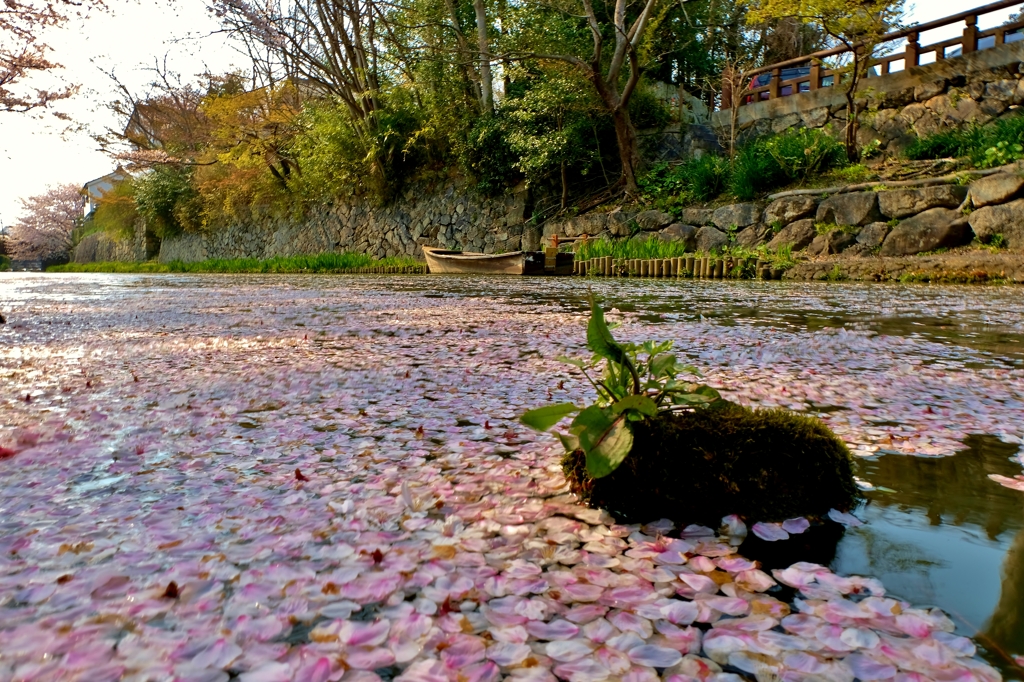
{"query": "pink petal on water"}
(508, 654)
(569, 650)
(770, 532)
(868, 670)
(796, 526)
(369, 658)
(370, 634)
(220, 654)
(319, 670)
(680, 612)
(754, 580)
(268, 672)
(733, 526)
(485, 671)
(848, 520)
(1015, 483)
(654, 656)
(555, 630)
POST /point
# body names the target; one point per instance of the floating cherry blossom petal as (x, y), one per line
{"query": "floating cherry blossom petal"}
(770, 532)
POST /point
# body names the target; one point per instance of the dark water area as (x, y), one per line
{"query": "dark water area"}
(948, 537)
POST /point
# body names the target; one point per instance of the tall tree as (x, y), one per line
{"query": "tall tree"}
(44, 229)
(604, 68)
(23, 51)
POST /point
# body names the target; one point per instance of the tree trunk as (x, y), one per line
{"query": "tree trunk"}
(486, 95)
(629, 155)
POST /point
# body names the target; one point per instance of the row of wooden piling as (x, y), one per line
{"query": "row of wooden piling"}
(392, 270)
(707, 267)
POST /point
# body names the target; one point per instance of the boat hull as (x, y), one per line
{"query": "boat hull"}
(441, 261)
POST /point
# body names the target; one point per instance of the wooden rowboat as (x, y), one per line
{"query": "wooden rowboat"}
(466, 263)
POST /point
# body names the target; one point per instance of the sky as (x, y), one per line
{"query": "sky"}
(36, 151)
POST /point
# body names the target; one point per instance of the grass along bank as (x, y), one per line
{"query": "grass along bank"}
(321, 263)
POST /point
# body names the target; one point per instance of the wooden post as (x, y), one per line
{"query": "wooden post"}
(607, 266)
(815, 74)
(773, 88)
(689, 265)
(970, 39)
(912, 51)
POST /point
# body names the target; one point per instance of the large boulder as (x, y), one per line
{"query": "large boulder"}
(736, 215)
(830, 243)
(616, 223)
(1007, 220)
(996, 189)
(934, 229)
(789, 209)
(752, 236)
(677, 232)
(696, 467)
(653, 220)
(696, 216)
(901, 203)
(853, 208)
(798, 235)
(873, 235)
(709, 239)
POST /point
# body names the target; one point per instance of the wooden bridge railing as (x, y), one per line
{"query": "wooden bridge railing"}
(819, 76)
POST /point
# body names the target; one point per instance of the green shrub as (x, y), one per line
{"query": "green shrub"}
(771, 162)
(697, 180)
(168, 201)
(488, 156)
(647, 111)
(993, 144)
(117, 211)
(5, 263)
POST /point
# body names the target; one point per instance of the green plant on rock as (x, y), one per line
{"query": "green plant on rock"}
(1002, 153)
(637, 383)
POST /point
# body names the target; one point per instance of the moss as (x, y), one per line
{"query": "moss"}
(765, 465)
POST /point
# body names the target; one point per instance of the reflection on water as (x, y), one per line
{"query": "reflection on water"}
(948, 537)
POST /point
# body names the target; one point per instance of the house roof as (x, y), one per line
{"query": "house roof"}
(91, 187)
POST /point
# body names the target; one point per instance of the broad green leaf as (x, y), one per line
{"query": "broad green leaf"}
(640, 403)
(593, 419)
(569, 441)
(543, 418)
(607, 452)
(709, 392)
(664, 365)
(690, 399)
(599, 338)
(573, 361)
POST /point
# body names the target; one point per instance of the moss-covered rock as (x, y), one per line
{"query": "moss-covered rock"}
(696, 467)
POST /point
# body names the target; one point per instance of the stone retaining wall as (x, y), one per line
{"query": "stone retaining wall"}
(922, 100)
(452, 216)
(857, 225)
(101, 247)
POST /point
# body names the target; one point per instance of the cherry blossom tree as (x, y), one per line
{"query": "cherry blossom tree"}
(44, 229)
(24, 53)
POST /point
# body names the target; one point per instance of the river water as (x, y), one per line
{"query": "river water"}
(150, 375)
